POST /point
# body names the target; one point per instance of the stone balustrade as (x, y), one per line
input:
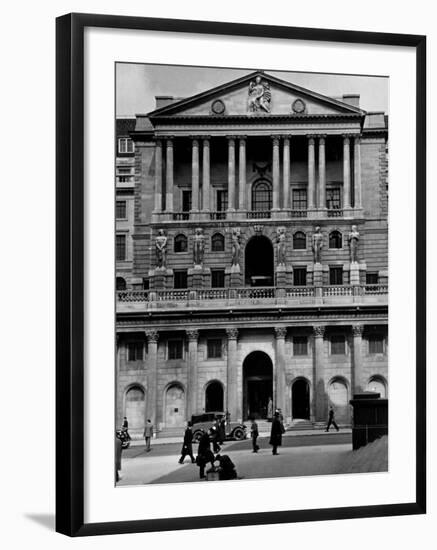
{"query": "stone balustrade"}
(223, 297)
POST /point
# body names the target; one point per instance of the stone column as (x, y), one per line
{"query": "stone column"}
(232, 373)
(319, 391)
(357, 171)
(322, 173)
(193, 336)
(152, 374)
(346, 173)
(280, 333)
(311, 173)
(275, 173)
(357, 381)
(158, 176)
(169, 176)
(205, 174)
(195, 176)
(286, 173)
(242, 174)
(231, 174)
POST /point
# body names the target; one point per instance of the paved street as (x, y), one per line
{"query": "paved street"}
(299, 456)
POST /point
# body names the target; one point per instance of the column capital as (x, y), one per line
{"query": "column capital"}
(319, 331)
(275, 140)
(231, 138)
(205, 139)
(195, 139)
(193, 334)
(357, 138)
(311, 139)
(322, 138)
(158, 141)
(169, 141)
(152, 336)
(241, 138)
(286, 137)
(346, 138)
(232, 333)
(280, 332)
(357, 330)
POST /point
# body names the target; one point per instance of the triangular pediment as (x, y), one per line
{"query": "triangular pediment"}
(257, 94)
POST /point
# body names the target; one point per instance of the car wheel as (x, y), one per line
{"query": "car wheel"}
(197, 436)
(238, 434)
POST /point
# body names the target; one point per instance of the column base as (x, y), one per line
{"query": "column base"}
(160, 278)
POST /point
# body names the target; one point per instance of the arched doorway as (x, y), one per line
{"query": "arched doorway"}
(135, 408)
(214, 397)
(258, 260)
(257, 384)
(338, 398)
(378, 384)
(174, 406)
(300, 399)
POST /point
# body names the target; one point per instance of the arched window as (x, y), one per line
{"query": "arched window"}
(335, 239)
(120, 283)
(378, 384)
(262, 196)
(180, 243)
(299, 241)
(135, 407)
(217, 242)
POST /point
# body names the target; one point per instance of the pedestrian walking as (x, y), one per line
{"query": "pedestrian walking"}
(254, 435)
(187, 445)
(222, 430)
(148, 434)
(204, 454)
(118, 449)
(125, 427)
(331, 420)
(276, 434)
(215, 438)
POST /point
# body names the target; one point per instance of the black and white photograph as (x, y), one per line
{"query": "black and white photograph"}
(251, 274)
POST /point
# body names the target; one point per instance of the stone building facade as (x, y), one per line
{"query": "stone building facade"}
(259, 256)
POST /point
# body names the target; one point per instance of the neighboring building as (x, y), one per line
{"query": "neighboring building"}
(124, 200)
(232, 184)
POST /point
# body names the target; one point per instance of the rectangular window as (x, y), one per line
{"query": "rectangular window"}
(125, 145)
(120, 248)
(333, 198)
(338, 345)
(300, 345)
(135, 351)
(336, 275)
(299, 199)
(180, 278)
(120, 210)
(376, 343)
(217, 278)
(299, 276)
(214, 348)
(186, 201)
(222, 200)
(371, 278)
(175, 349)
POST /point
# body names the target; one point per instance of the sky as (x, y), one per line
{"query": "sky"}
(138, 84)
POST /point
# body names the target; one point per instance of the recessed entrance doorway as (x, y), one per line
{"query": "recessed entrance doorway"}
(259, 261)
(257, 385)
(300, 399)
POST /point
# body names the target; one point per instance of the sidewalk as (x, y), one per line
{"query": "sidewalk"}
(293, 433)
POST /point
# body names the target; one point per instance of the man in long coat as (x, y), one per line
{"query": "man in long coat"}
(204, 454)
(276, 434)
(187, 445)
(118, 449)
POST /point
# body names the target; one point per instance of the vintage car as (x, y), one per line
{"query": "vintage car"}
(204, 421)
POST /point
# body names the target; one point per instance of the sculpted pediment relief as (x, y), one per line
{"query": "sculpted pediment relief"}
(257, 94)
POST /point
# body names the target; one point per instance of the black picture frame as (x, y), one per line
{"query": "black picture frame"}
(70, 273)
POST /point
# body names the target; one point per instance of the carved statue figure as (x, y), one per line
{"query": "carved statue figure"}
(161, 248)
(280, 245)
(317, 245)
(354, 237)
(236, 246)
(259, 96)
(198, 246)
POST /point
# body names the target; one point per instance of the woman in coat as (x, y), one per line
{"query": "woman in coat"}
(276, 434)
